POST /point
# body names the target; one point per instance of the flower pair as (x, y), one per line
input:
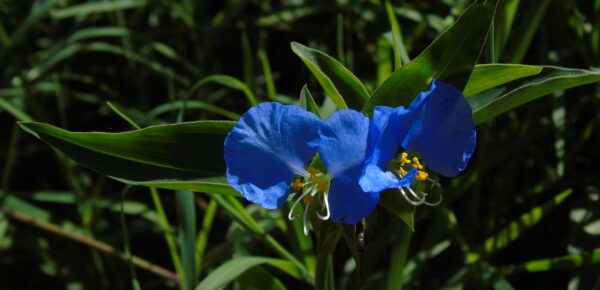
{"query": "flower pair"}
(268, 152)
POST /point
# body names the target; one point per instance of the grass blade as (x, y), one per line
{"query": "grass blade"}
(186, 216)
(514, 230)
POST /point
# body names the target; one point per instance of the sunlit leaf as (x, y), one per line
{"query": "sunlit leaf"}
(450, 58)
(493, 102)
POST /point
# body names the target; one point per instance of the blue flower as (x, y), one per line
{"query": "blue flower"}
(272, 142)
(438, 125)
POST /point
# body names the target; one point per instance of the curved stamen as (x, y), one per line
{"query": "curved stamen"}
(326, 201)
(305, 193)
(434, 203)
(415, 194)
(304, 222)
(415, 203)
(433, 184)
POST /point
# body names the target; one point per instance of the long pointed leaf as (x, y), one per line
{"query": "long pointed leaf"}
(185, 156)
(493, 102)
(450, 58)
(339, 83)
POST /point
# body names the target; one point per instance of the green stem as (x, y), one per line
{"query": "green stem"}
(324, 279)
(398, 259)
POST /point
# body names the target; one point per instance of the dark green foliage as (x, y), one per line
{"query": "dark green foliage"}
(524, 215)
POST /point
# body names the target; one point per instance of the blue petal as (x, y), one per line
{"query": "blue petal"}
(347, 202)
(441, 129)
(375, 176)
(266, 148)
(345, 141)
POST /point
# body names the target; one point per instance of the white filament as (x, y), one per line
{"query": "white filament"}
(326, 201)
(304, 222)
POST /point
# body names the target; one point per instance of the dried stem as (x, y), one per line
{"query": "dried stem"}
(101, 246)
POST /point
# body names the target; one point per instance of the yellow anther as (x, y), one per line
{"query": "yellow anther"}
(313, 173)
(402, 171)
(297, 184)
(308, 199)
(417, 163)
(322, 185)
(421, 175)
(404, 159)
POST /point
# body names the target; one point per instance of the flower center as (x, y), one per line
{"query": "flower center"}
(314, 183)
(415, 198)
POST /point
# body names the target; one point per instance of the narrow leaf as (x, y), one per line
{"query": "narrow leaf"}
(493, 102)
(230, 271)
(307, 102)
(185, 156)
(516, 228)
(563, 262)
(96, 7)
(186, 216)
(339, 83)
(487, 76)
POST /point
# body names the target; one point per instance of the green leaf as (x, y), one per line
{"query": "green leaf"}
(301, 245)
(525, 221)
(266, 66)
(398, 256)
(14, 111)
(187, 105)
(530, 25)
(339, 83)
(238, 212)
(186, 216)
(493, 102)
(400, 53)
(95, 32)
(563, 262)
(227, 81)
(487, 76)
(96, 7)
(185, 156)
(230, 271)
(205, 229)
(257, 278)
(393, 201)
(307, 102)
(212, 185)
(450, 58)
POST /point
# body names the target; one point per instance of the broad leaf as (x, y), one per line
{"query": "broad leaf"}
(339, 83)
(450, 58)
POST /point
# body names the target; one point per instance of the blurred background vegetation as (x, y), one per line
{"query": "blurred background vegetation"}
(524, 215)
